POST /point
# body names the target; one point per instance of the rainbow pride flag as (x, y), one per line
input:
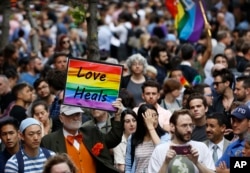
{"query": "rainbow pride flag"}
(188, 17)
(92, 84)
(184, 81)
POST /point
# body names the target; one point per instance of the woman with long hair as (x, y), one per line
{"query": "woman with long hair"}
(128, 119)
(142, 143)
(40, 111)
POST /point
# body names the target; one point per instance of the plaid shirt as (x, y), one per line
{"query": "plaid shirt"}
(55, 108)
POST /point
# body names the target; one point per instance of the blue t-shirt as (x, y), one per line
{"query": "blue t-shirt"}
(233, 150)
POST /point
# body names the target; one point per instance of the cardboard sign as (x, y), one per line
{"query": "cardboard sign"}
(92, 84)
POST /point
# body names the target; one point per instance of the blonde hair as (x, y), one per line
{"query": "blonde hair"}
(151, 69)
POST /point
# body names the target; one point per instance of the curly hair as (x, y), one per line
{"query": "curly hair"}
(56, 79)
(57, 159)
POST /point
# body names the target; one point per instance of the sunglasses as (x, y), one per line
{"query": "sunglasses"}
(217, 83)
(66, 41)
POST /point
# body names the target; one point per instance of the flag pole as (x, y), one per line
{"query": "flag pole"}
(204, 17)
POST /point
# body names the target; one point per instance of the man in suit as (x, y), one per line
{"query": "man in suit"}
(215, 128)
(87, 146)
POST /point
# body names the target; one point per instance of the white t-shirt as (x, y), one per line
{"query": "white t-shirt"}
(160, 152)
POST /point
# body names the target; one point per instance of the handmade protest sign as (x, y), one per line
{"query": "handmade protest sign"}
(92, 84)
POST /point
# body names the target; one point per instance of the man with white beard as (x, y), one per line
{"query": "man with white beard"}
(87, 147)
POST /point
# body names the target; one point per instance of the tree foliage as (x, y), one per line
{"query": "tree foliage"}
(79, 14)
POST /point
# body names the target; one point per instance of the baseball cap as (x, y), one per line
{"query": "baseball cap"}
(241, 112)
(69, 110)
(28, 122)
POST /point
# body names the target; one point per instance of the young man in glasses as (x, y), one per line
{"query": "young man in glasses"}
(181, 153)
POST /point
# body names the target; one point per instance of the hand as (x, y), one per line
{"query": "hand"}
(149, 119)
(207, 26)
(193, 156)
(170, 155)
(223, 165)
(118, 104)
(228, 131)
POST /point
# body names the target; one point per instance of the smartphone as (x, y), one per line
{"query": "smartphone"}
(182, 149)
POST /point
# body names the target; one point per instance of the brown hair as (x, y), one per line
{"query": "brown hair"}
(178, 113)
(57, 159)
(171, 85)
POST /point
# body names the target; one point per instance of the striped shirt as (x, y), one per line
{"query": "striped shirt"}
(31, 164)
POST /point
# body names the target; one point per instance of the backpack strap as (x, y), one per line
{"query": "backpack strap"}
(20, 162)
(46, 152)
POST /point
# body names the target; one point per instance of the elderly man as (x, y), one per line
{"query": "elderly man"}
(87, 146)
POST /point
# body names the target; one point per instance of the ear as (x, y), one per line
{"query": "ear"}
(61, 118)
(206, 109)
(172, 127)
(247, 91)
(223, 128)
(21, 136)
(158, 97)
(142, 96)
(227, 83)
(248, 124)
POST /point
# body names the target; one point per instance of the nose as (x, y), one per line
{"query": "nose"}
(35, 136)
(8, 136)
(235, 92)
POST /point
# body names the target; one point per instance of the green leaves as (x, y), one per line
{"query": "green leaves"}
(79, 14)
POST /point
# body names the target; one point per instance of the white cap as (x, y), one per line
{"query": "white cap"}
(28, 122)
(69, 110)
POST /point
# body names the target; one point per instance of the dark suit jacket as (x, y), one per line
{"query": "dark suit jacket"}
(91, 135)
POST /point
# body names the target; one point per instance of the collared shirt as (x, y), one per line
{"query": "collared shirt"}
(186, 63)
(233, 150)
(76, 144)
(220, 147)
(120, 151)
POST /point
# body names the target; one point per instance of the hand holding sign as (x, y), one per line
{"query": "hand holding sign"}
(92, 84)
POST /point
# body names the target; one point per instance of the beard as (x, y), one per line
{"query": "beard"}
(241, 98)
(73, 125)
(182, 137)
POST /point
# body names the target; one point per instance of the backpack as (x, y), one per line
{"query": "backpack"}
(19, 157)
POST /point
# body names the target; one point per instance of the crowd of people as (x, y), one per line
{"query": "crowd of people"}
(182, 107)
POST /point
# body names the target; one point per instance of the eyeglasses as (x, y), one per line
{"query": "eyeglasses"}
(186, 126)
(217, 83)
(66, 41)
(208, 95)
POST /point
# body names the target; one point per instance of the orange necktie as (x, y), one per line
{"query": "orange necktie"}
(72, 138)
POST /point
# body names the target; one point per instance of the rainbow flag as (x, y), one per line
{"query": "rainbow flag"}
(184, 81)
(188, 17)
(92, 84)
(197, 80)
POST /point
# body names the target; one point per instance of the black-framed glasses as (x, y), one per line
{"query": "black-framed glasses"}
(217, 83)
(208, 95)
